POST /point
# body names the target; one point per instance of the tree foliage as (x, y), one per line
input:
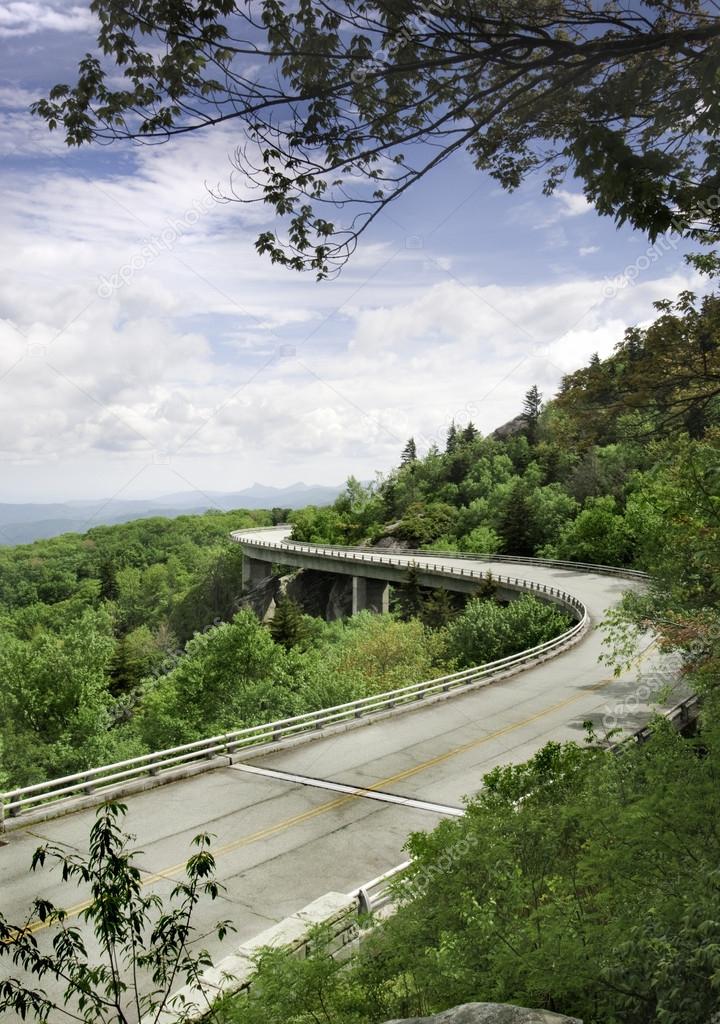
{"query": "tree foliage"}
(532, 406)
(227, 677)
(577, 882)
(668, 373)
(486, 631)
(287, 626)
(337, 96)
(57, 709)
(143, 941)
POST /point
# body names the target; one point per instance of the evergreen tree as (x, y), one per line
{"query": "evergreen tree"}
(409, 453)
(287, 626)
(486, 589)
(469, 433)
(410, 595)
(452, 438)
(532, 405)
(108, 580)
(515, 526)
(438, 609)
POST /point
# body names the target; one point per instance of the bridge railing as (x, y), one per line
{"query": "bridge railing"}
(378, 893)
(442, 570)
(107, 777)
(389, 555)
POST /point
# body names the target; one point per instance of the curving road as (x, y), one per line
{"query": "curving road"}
(282, 842)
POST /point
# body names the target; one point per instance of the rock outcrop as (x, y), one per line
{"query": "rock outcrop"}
(491, 1013)
(339, 600)
(389, 542)
(323, 594)
(517, 425)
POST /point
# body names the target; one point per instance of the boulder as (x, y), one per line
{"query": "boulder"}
(491, 1013)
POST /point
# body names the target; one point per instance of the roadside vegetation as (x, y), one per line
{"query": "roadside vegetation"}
(580, 882)
(132, 638)
(583, 881)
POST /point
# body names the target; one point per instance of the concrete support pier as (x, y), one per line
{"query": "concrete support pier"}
(254, 571)
(370, 595)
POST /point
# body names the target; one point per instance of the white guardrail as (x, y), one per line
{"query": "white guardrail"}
(378, 893)
(26, 799)
(364, 553)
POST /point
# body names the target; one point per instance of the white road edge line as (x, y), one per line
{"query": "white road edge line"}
(340, 787)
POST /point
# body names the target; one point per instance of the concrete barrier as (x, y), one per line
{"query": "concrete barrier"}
(235, 973)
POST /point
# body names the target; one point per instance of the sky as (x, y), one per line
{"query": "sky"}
(146, 349)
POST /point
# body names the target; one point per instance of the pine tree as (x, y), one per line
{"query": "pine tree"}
(410, 595)
(287, 626)
(409, 453)
(532, 405)
(438, 609)
(469, 433)
(515, 526)
(108, 580)
(452, 438)
(486, 588)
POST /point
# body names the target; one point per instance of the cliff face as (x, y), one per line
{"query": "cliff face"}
(322, 594)
(491, 1013)
(517, 425)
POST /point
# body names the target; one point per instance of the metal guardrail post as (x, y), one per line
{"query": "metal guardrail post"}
(364, 901)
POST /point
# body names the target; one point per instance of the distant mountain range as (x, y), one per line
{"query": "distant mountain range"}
(23, 523)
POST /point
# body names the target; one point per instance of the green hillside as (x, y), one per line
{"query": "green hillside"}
(132, 637)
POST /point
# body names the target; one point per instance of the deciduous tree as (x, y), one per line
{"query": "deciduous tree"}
(144, 941)
(337, 95)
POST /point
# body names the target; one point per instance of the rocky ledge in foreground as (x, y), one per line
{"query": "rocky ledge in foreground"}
(491, 1013)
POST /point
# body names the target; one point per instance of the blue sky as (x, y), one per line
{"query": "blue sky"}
(145, 348)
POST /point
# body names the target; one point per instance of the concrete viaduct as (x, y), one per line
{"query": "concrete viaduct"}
(372, 570)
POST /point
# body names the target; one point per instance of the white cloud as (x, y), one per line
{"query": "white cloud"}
(23, 17)
(572, 204)
(184, 355)
(588, 250)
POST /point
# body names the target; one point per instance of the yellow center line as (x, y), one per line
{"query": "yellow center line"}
(330, 805)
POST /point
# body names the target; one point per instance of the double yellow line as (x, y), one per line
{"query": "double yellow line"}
(331, 805)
